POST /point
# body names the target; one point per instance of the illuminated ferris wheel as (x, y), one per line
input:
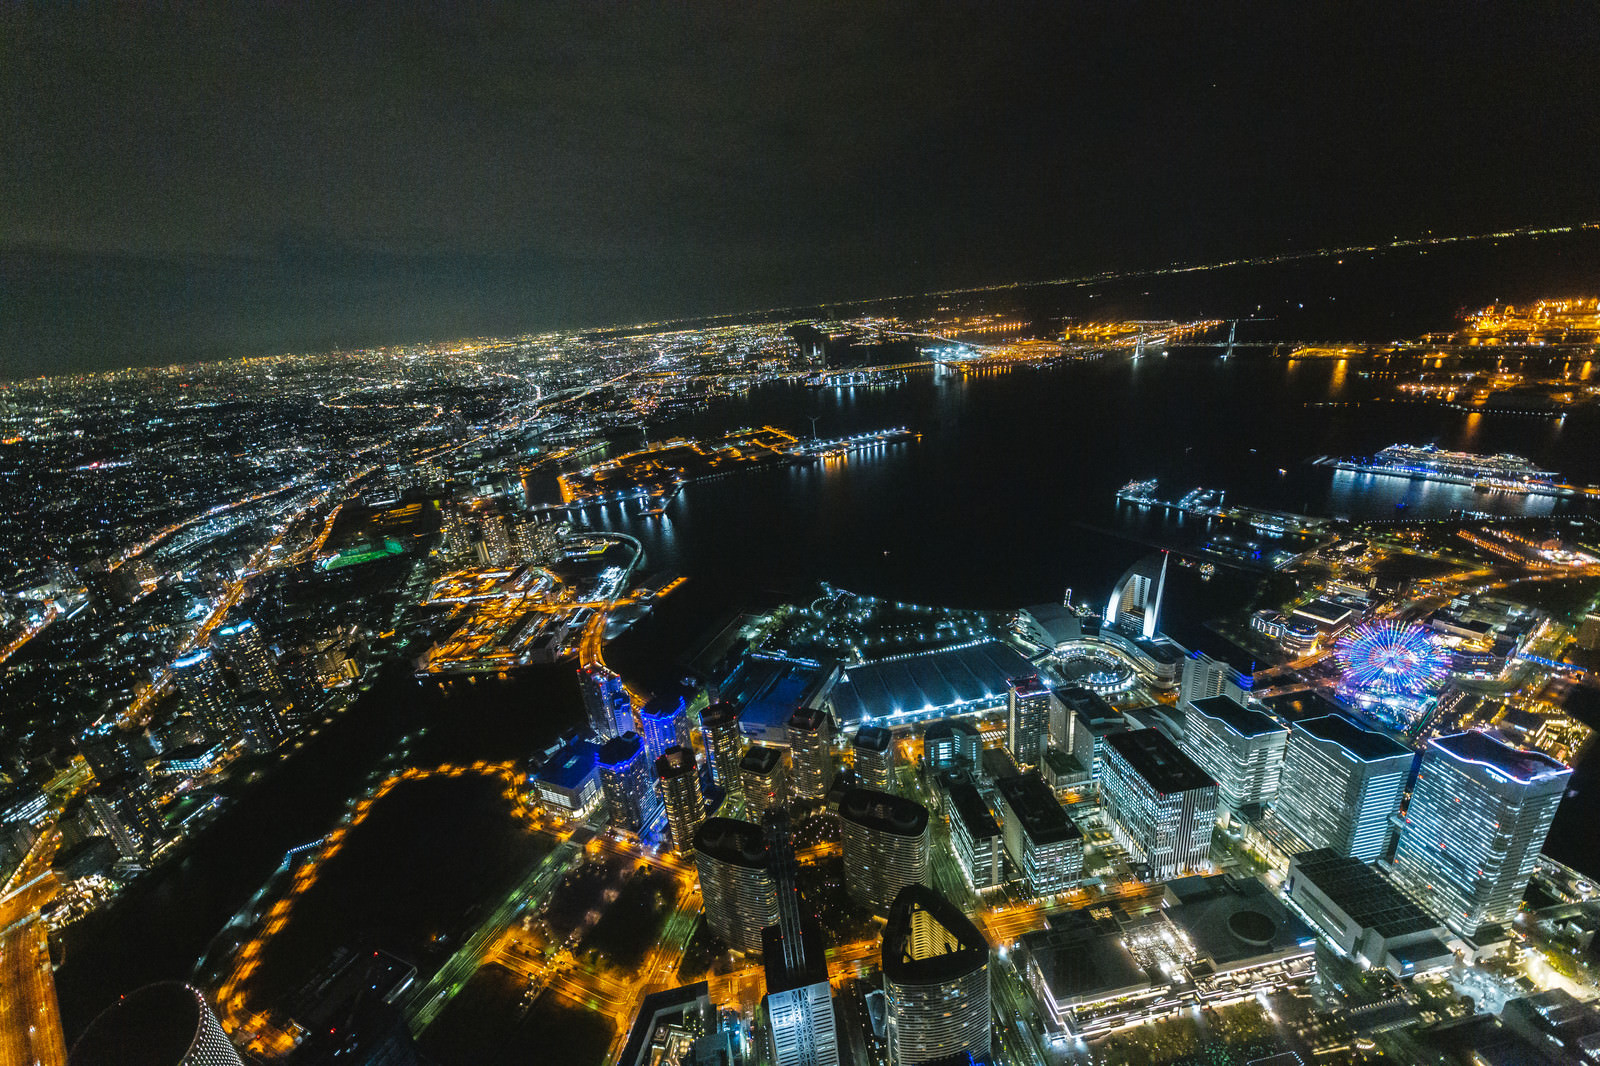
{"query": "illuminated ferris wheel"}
(1392, 659)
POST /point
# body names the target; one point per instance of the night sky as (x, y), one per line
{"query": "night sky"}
(244, 181)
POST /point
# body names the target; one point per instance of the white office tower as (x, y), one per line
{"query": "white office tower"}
(1340, 785)
(1478, 815)
(1241, 747)
(1161, 806)
(1204, 677)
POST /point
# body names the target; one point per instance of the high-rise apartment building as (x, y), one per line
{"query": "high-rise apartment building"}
(678, 779)
(605, 702)
(724, 743)
(1242, 748)
(885, 846)
(625, 781)
(936, 981)
(740, 896)
(763, 780)
(873, 751)
(809, 732)
(1161, 806)
(1028, 703)
(205, 695)
(1340, 785)
(247, 657)
(1478, 816)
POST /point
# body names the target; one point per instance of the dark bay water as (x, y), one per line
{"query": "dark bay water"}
(1007, 500)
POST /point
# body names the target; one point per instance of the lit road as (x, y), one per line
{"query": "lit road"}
(30, 1017)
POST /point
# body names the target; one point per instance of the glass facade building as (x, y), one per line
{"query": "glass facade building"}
(1340, 785)
(1478, 816)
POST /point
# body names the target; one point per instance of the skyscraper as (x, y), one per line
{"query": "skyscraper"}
(724, 743)
(606, 702)
(873, 752)
(165, 1024)
(204, 693)
(247, 657)
(936, 980)
(799, 1001)
(740, 896)
(810, 735)
(1478, 815)
(1040, 838)
(1028, 702)
(1159, 803)
(885, 846)
(1240, 747)
(625, 780)
(762, 780)
(1340, 785)
(678, 778)
(664, 720)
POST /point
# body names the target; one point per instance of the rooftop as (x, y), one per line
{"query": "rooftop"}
(1231, 921)
(1361, 892)
(1083, 960)
(968, 807)
(808, 719)
(1158, 760)
(949, 727)
(1515, 764)
(1030, 685)
(718, 714)
(732, 841)
(760, 759)
(1241, 719)
(619, 750)
(1365, 744)
(953, 681)
(155, 1026)
(910, 957)
(676, 761)
(873, 738)
(569, 766)
(663, 706)
(1036, 807)
(884, 812)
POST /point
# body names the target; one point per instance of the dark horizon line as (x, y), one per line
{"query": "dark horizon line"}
(1176, 267)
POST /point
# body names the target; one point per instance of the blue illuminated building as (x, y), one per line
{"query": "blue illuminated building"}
(625, 780)
(570, 779)
(664, 720)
